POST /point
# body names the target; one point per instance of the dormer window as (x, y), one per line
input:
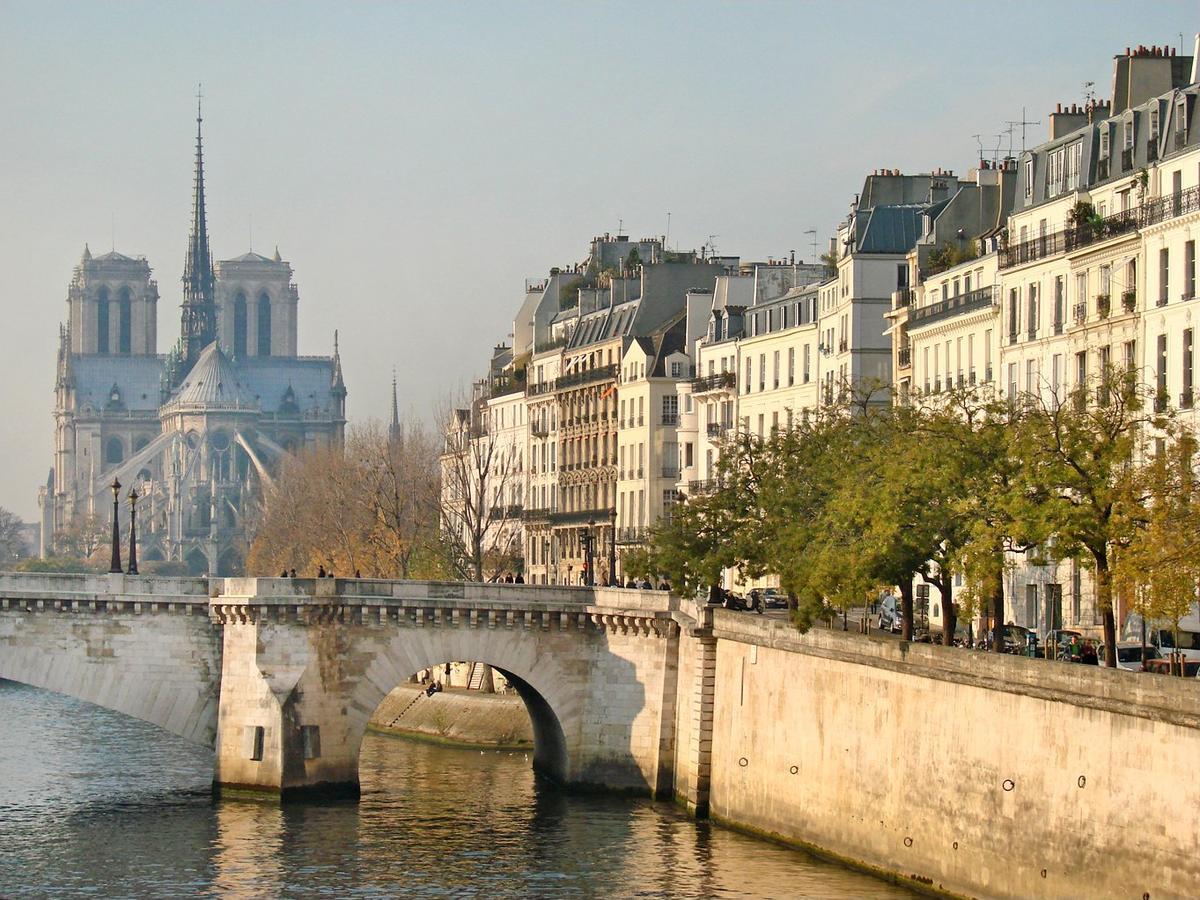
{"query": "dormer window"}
(1029, 178)
(1154, 123)
(1104, 142)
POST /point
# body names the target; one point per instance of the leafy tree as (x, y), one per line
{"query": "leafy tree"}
(12, 541)
(1074, 475)
(1160, 567)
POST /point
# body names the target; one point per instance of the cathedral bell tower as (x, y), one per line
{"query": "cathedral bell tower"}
(199, 326)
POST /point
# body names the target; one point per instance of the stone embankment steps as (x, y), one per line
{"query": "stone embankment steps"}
(456, 715)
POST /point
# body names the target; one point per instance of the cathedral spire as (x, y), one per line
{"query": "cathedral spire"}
(394, 427)
(199, 327)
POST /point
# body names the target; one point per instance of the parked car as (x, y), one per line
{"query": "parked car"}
(1016, 639)
(888, 618)
(1191, 667)
(1060, 639)
(774, 599)
(1129, 656)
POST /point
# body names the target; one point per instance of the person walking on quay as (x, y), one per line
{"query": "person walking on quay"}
(321, 570)
(1089, 656)
(520, 579)
(1075, 649)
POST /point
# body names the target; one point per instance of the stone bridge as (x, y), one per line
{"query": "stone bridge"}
(282, 675)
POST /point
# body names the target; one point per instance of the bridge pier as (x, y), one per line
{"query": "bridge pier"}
(305, 665)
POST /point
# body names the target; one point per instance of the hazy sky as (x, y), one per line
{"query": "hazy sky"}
(415, 163)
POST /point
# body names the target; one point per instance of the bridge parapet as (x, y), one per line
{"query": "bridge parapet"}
(312, 601)
(61, 592)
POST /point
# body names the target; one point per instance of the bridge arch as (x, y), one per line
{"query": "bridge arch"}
(551, 700)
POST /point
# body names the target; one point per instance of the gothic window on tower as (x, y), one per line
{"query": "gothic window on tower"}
(264, 325)
(102, 320)
(114, 452)
(239, 325)
(124, 322)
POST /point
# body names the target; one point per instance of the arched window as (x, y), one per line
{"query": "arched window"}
(264, 325)
(124, 322)
(239, 325)
(102, 321)
(114, 452)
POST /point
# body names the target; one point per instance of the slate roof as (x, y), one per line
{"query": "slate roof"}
(136, 377)
(890, 229)
(213, 381)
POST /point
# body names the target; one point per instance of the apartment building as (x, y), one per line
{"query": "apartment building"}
(648, 418)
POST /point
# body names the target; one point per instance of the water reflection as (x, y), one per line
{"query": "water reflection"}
(95, 804)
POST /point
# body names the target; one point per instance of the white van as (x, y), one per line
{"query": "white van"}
(1160, 634)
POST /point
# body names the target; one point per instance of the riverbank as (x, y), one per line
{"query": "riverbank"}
(457, 717)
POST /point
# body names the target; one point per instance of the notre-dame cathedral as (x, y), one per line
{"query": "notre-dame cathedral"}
(197, 431)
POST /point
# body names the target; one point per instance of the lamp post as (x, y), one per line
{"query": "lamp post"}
(133, 499)
(612, 546)
(114, 565)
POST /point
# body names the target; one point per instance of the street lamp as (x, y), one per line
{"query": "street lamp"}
(612, 546)
(133, 499)
(114, 565)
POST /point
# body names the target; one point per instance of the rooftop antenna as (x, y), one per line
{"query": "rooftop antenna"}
(1023, 122)
(620, 225)
(667, 236)
(1088, 94)
(251, 215)
(113, 225)
(813, 232)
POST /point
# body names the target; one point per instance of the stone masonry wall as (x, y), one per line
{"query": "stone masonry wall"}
(971, 773)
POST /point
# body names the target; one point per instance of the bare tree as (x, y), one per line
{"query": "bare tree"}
(480, 523)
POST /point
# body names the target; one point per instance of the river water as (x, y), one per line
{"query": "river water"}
(94, 804)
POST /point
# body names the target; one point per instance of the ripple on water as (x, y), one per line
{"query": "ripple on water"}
(93, 804)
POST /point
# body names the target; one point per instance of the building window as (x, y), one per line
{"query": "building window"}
(239, 325)
(1189, 270)
(264, 325)
(114, 452)
(1185, 399)
(124, 322)
(776, 367)
(1164, 273)
(102, 321)
(807, 363)
(1161, 379)
(791, 366)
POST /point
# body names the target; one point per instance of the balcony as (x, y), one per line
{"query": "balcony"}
(904, 357)
(587, 376)
(979, 298)
(539, 430)
(903, 297)
(714, 429)
(721, 381)
(1073, 238)
(842, 345)
(670, 471)
(1162, 299)
(705, 486)
(542, 387)
(633, 534)
(538, 514)
(580, 517)
(1058, 325)
(1160, 402)
(1129, 301)
(1186, 400)
(1103, 305)
(1155, 211)
(670, 418)
(987, 374)
(1031, 334)
(1080, 313)
(512, 511)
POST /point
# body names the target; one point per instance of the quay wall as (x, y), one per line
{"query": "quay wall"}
(967, 773)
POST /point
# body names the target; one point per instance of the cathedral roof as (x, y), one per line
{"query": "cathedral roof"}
(113, 256)
(250, 257)
(136, 377)
(213, 381)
